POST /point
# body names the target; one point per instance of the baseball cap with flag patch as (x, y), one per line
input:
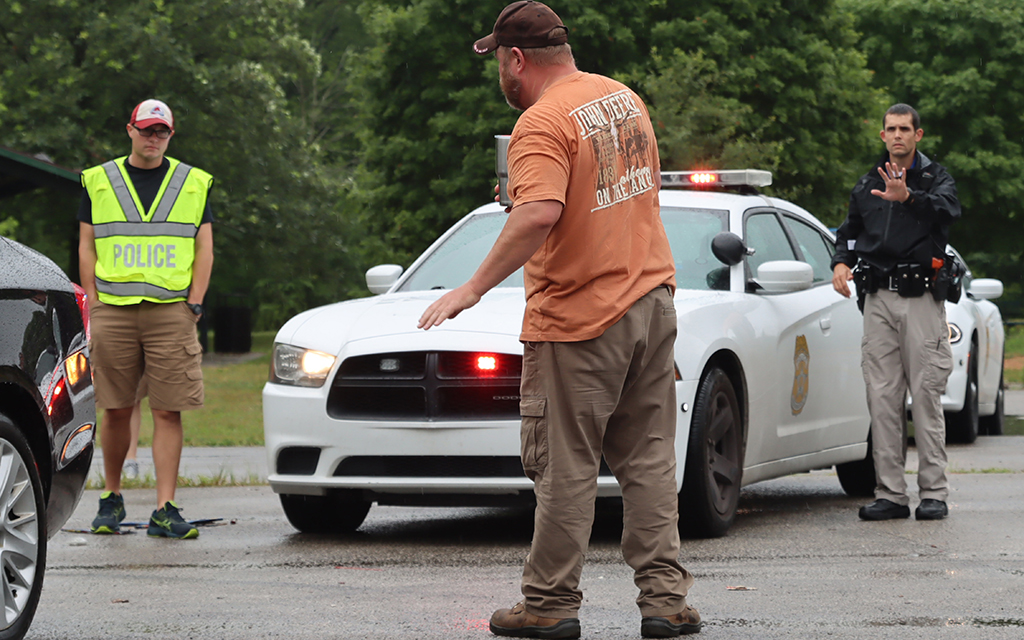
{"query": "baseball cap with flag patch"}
(150, 112)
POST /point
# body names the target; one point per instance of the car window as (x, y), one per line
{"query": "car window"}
(764, 234)
(455, 261)
(690, 232)
(814, 246)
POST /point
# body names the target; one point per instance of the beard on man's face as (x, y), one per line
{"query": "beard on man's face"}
(511, 86)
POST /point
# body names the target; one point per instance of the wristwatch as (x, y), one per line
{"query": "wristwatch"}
(196, 308)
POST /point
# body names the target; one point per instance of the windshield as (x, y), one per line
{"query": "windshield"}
(452, 263)
(689, 233)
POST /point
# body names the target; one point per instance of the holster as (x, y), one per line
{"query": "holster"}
(863, 277)
(947, 283)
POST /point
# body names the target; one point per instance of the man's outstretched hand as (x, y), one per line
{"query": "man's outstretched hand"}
(895, 180)
(447, 306)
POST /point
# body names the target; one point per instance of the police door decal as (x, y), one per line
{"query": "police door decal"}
(801, 376)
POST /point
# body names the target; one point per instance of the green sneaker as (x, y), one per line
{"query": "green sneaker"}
(108, 520)
(168, 523)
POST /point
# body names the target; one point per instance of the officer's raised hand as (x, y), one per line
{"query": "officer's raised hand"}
(895, 179)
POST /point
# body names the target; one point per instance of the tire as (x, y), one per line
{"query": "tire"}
(22, 532)
(993, 425)
(337, 512)
(858, 477)
(962, 426)
(714, 460)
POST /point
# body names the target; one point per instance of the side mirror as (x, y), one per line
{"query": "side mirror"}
(729, 248)
(986, 288)
(783, 276)
(381, 278)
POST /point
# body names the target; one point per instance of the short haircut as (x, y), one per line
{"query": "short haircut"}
(901, 109)
(548, 56)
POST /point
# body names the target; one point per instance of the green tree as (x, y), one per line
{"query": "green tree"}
(697, 127)
(71, 71)
(775, 83)
(958, 63)
(777, 79)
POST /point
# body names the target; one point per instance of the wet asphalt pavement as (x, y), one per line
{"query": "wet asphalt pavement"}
(796, 564)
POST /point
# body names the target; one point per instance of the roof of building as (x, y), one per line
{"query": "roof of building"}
(21, 172)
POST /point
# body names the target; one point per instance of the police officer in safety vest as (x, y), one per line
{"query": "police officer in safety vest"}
(145, 256)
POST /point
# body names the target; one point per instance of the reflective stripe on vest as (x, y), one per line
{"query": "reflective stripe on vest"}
(143, 289)
(144, 229)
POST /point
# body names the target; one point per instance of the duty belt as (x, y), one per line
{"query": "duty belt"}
(910, 280)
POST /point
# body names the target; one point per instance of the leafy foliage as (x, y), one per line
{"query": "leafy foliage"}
(344, 133)
(773, 84)
(784, 81)
(72, 70)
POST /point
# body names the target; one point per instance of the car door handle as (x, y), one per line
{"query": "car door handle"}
(825, 322)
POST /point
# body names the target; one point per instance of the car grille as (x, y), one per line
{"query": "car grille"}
(427, 386)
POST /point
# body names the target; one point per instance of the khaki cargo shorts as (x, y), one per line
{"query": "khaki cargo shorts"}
(158, 341)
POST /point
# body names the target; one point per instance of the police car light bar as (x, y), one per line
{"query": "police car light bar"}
(710, 179)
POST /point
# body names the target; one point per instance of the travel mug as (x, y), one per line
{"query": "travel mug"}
(501, 168)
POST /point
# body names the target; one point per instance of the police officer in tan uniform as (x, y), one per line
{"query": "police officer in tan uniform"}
(895, 233)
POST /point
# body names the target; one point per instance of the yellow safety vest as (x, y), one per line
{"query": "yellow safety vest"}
(145, 255)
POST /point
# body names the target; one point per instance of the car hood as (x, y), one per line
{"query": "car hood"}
(388, 323)
(391, 319)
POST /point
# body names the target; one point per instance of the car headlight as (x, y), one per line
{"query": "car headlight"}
(299, 367)
(955, 334)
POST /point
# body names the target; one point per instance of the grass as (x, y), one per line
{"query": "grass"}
(233, 412)
(148, 481)
(1013, 373)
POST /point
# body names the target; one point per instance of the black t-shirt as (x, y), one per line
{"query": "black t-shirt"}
(147, 184)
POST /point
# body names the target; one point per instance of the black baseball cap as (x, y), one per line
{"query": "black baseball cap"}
(525, 24)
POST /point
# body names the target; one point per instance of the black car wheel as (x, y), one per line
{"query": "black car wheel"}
(993, 425)
(337, 512)
(22, 532)
(858, 477)
(714, 460)
(962, 426)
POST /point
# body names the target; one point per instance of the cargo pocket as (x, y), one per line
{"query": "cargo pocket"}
(194, 374)
(937, 358)
(533, 435)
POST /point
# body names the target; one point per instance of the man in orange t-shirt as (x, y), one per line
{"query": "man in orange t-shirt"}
(599, 329)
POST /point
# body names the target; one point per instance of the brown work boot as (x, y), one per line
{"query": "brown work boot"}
(518, 623)
(683, 623)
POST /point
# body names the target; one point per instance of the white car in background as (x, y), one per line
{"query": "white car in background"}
(362, 407)
(974, 398)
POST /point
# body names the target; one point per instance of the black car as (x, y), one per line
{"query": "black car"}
(47, 420)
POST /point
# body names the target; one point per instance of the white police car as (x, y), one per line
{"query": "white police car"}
(974, 396)
(362, 407)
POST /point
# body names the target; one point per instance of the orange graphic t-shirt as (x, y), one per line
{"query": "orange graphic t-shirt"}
(589, 144)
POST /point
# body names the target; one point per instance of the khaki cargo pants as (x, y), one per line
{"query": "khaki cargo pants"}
(614, 394)
(906, 346)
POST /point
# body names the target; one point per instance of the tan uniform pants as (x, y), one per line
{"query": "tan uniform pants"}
(614, 394)
(906, 345)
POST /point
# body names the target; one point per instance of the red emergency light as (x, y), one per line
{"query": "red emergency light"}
(486, 363)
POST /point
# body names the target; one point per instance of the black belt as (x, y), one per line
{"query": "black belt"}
(907, 279)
